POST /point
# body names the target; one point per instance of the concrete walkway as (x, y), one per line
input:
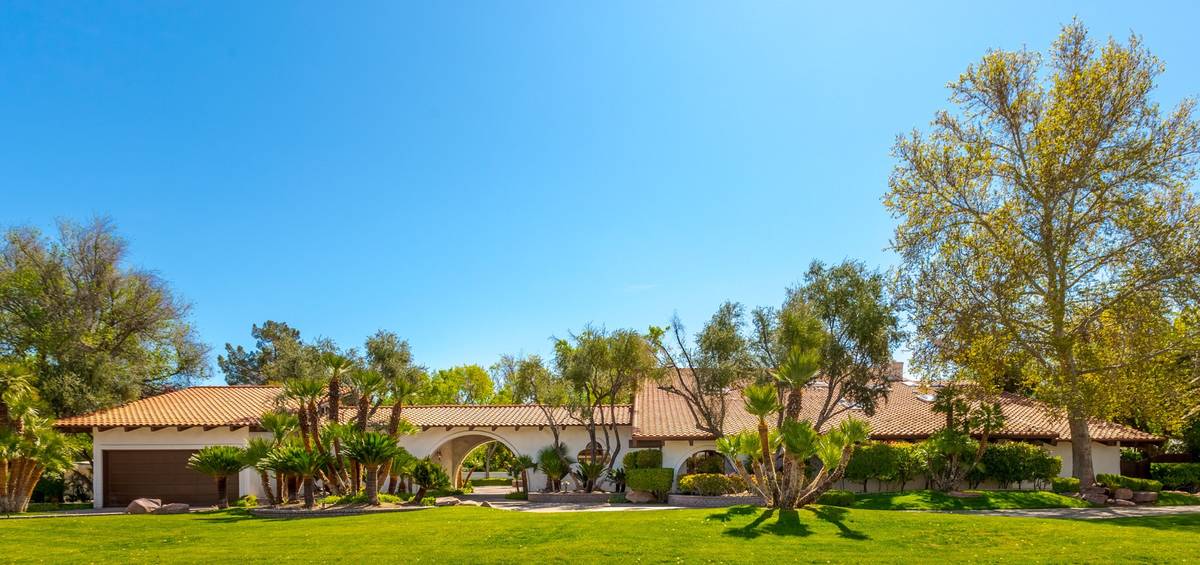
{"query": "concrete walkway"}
(1086, 513)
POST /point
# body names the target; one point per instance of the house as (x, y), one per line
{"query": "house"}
(141, 449)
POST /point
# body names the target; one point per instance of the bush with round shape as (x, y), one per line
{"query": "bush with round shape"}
(710, 484)
(656, 481)
(837, 497)
(1064, 485)
(1177, 476)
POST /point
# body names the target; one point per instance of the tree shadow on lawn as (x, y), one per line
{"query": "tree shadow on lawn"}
(786, 523)
(837, 516)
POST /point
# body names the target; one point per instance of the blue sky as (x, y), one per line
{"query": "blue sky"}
(481, 176)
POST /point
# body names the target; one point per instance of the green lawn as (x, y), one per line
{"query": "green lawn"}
(483, 535)
(988, 499)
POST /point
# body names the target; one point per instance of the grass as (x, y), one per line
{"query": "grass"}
(988, 500)
(57, 506)
(483, 535)
(1177, 499)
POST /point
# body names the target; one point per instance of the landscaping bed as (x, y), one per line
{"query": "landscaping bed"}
(570, 497)
(718, 501)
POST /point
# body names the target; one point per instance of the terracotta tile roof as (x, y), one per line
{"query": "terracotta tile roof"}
(904, 415)
(193, 406)
(242, 406)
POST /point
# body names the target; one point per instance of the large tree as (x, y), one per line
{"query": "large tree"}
(464, 384)
(242, 367)
(531, 382)
(1049, 208)
(94, 330)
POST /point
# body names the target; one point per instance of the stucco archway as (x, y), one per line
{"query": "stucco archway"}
(452, 450)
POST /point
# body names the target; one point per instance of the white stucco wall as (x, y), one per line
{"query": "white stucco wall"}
(1105, 458)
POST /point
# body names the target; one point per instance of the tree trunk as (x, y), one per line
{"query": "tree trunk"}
(222, 492)
(1081, 450)
(310, 495)
(372, 485)
(420, 494)
(266, 485)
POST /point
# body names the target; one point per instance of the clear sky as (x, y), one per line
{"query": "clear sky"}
(480, 176)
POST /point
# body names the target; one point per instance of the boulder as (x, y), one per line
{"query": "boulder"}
(1119, 502)
(1145, 497)
(446, 501)
(471, 503)
(485, 504)
(143, 506)
(1096, 498)
(639, 496)
(1094, 489)
(1122, 494)
(173, 508)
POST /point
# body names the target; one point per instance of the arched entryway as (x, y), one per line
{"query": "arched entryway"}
(453, 450)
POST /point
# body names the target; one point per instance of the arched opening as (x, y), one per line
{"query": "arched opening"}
(592, 453)
(454, 451)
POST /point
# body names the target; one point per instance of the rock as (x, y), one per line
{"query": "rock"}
(1119, 502)
(1096, 498)
(471, 503)
(173, 508)
(446, 501)
(143, 506)
(1094, 489)
(639, 496)
(1122, 494)
(1145, 497)
(485, 504)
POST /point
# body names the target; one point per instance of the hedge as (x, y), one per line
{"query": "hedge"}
(1064, 485)
(711, 484)
(1016, 462)
(1005, 462)
(657, 481)
(1177, 476)
(1131, 483)
(835, 497)
(642, 459)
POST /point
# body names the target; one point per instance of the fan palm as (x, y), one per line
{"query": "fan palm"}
(26, 454)
(522, 464)
(371, 450)
(218, 462)
(761, 401)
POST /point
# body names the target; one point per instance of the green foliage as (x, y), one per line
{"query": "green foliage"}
(1177, 476)
(490, 482)
(217, 460)
(361, 498)
(618, 498)
(554, 462)
(711, 484)
(516, 496)
(836, 497)
(984, 500)
(909, 462)
(429, 475)
(248, 501)
(1064, 485)
(1132, 454)
(873, 460)
(371, 448)
(1131, 483)
(98, 331)
(642, 459)
(1014, 462)
(465, 384)
(657, 481)
(243, 367)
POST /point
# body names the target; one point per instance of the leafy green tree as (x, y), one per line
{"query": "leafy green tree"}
(465, 384)
(392, 358)
(702, 371)
(602, 370)
(372, 450)
(531, 382)
(95, 331)
(242, 367)
(1052, 204)
(218, 462)
(872, 460)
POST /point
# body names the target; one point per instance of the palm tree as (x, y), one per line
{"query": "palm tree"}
(428, 475)
(402, 468)
(302, 462)
(554, 462)
(218, 462)
(762, 401)
(306, 392)
(523, 464)
(26, 454)
(369, 386)
(15, 389)
(253, 457)
(371, 450)
(281, 425)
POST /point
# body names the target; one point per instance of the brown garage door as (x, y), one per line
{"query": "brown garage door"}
(158, 473)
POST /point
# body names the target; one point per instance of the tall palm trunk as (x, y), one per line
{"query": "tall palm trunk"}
(372, 485)
(266, 485)
(310, 487)
(222, 492)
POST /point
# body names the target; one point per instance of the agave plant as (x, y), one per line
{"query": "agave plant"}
(218, 462)
(371, 450)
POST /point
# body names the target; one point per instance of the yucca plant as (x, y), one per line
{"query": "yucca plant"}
(218, 462)
(371, 450)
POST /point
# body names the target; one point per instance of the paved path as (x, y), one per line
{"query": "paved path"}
(1087, 513)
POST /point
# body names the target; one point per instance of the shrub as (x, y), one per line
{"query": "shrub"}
(1177, 476)
(1131, 483)
(1132, 454)
(1064, 485)
(617, 498)
(1016, 462)
(489, 482)
(711, 484)
(248, 501)
(657, 481)
(836, 497)
(516, 496)
(872, 461)
(643, 459)
(909, 463)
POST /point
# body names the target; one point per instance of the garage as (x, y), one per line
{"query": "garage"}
(157, 473)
